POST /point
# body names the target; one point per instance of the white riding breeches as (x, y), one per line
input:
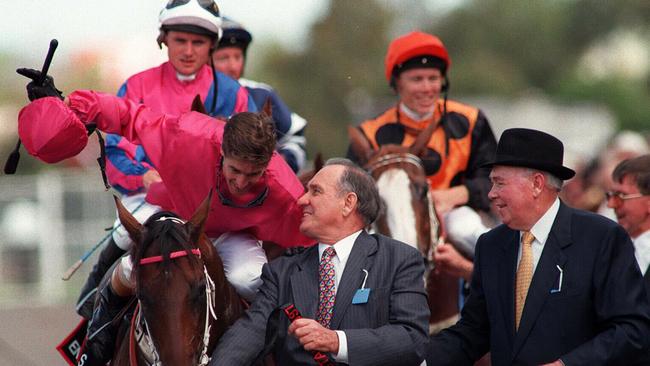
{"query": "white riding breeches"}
(141, 210)
(464, 226)
(243, 258)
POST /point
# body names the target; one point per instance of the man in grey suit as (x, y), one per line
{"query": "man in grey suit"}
(552, 285)
(378, 311)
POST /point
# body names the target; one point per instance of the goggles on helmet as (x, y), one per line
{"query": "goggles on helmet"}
(208, 5)
(197, 13)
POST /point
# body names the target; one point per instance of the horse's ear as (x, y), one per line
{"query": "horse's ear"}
(197, 105)
(130, 223)
(420, 143)
(318, 162)
(267, 108)
(360, 145)
(196, 224)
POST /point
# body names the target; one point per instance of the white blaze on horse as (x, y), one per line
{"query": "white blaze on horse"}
(409, 214)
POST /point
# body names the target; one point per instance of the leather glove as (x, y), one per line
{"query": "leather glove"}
(36, 90)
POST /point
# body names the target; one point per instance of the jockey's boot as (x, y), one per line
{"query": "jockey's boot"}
(107, 257)
(102, 328)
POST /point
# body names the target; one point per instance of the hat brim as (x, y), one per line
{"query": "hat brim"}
(559, 171)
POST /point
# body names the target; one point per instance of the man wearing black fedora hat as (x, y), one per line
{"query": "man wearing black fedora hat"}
(552, 285)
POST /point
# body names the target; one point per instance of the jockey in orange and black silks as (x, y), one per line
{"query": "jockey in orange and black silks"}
(416, 67)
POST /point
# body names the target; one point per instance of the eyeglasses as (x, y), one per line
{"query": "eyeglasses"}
(208, 5)
(620, 196)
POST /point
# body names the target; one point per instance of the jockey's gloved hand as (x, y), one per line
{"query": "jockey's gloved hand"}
(36, 90)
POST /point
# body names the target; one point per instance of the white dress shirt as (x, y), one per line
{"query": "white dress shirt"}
(540, 231)
(343, 248)
(642, 251)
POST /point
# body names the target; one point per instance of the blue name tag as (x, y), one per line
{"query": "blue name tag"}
(361, 296)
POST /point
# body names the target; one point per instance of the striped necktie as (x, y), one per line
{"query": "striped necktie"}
(524, 275)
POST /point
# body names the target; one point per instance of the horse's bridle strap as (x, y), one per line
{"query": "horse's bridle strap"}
(393, 159)
(172, 255)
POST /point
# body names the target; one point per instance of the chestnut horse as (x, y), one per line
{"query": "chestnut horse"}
(184, 301)
(409, 214)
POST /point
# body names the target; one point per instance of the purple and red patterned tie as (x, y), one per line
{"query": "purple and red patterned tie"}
(326, 287)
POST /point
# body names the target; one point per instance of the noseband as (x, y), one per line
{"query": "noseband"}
(210, 295)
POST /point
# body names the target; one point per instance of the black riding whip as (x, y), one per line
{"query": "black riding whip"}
(14, 157)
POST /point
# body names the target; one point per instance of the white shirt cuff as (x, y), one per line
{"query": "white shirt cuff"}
(342, 356)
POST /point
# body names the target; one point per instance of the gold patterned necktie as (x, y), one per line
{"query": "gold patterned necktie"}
(524, 275)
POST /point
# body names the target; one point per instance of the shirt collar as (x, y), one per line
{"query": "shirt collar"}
(415, 115)
(342, 247)
(182, 77)
(542, 227)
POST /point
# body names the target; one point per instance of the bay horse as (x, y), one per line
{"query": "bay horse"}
(409, 214)
(184, 301)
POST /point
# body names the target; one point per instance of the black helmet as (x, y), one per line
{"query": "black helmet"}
(234, 35)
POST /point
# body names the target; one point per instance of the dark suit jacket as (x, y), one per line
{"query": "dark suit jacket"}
(644, 360)
(390, 329)
(600, 316)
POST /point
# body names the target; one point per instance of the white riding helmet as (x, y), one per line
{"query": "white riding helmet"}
(192, 16)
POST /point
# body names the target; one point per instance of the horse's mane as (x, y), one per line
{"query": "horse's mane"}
(168, 234)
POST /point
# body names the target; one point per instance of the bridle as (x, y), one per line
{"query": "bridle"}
(396, 158)
(408, 158)
(210, 302)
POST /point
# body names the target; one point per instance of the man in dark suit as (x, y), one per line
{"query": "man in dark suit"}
(387, 326)
(629, 196)
(570, 294)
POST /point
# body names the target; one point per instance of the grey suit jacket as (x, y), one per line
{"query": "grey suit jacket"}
(600, 316)
(390, 329)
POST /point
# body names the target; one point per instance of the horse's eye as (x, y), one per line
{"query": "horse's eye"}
(145, 299)
(197, 291)
(420, 190)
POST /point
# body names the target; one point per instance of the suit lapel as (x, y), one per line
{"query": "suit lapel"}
(364, 246)
(506, 282)
(546, 275)
(304, 284)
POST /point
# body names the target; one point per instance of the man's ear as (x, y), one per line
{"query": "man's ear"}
(539, 182)
(350, 203)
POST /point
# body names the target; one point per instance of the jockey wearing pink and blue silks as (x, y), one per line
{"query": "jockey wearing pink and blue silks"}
(160, 89)
(230, 58)
(190, 30)
(187, 151)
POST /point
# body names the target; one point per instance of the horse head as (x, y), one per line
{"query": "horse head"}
(409, 214)
(184, 298)
(404, 188)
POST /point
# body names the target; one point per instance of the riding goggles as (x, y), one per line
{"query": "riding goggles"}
(257, 201)
(208, 5)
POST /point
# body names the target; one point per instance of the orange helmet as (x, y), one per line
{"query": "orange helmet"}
(413, 44)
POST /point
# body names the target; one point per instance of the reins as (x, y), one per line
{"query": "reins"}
(210, 295)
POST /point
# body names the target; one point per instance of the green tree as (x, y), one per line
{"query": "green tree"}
(344, 56)
(504, 47)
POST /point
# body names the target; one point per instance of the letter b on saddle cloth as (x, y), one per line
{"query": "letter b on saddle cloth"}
(70, 348)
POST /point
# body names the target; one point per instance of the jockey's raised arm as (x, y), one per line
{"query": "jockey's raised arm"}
(257, 192)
